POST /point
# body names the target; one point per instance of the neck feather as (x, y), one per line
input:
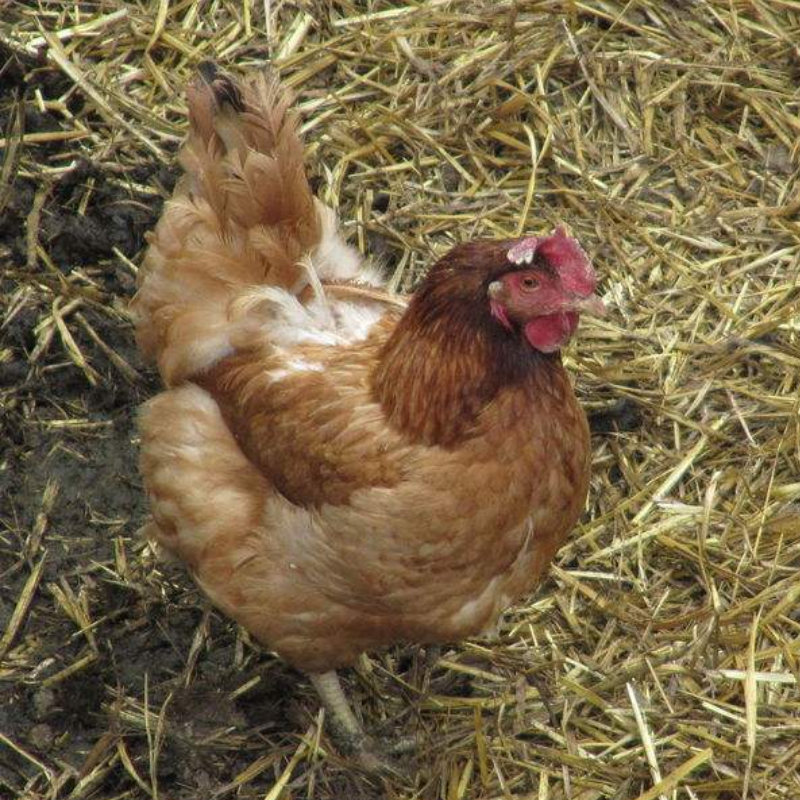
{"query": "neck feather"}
(445, 361)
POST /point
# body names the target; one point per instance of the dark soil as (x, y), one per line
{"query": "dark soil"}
(71, 497)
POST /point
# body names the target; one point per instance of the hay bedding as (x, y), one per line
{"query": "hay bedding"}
(660, 660)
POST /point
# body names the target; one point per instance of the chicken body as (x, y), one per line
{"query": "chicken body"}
(337, 472)
(325, 532)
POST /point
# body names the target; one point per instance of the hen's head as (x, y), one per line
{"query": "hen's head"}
(549, 284)
(535, 287)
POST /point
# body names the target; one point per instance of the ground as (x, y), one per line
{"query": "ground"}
(662, 649)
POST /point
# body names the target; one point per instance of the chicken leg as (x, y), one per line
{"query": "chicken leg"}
(345, 727)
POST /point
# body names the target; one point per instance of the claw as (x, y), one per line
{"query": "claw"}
(378, 763)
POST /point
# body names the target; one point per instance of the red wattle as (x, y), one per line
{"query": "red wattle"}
(551, 332)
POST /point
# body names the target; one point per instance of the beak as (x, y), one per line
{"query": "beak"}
(591, 305)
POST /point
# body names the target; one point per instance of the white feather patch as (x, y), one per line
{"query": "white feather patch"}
(284, 321)
(333, 258)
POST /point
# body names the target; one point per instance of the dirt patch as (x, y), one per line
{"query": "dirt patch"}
(98, 630)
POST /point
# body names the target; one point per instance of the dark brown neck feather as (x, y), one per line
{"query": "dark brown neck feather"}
(448, 358)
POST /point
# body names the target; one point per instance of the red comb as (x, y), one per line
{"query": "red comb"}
(564, 254)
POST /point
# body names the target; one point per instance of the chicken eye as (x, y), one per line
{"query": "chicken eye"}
(529, 283)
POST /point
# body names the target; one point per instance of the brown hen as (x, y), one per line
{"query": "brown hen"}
(341, 473)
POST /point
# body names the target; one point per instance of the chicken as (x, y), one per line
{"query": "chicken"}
(338, 471)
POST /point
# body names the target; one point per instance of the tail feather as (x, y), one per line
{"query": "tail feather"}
(243, 215)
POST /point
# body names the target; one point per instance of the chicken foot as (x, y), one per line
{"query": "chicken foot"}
(345, 727)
